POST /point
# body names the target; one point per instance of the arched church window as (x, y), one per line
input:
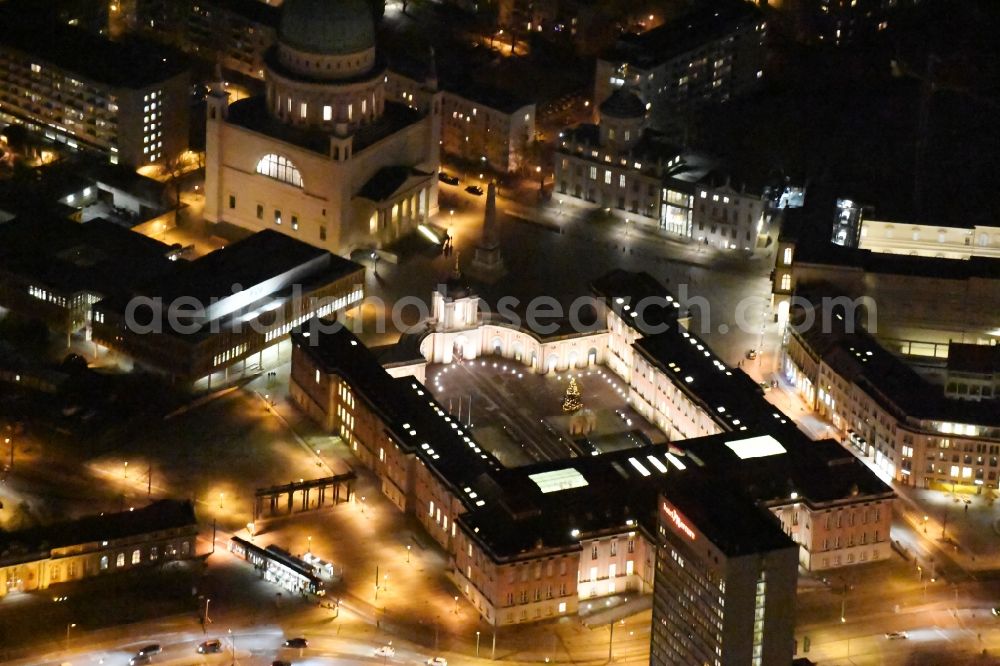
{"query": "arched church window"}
(279, 168)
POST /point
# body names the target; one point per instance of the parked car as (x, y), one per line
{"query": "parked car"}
(296, 643)
(385, 651)
(474, 189)
(210, 647)
(896, 635)
(447, 178)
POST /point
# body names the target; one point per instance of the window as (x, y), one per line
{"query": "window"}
(232, 201)
(303, 110)
(593, 173)
(120, 560)
(279, 168)
(607, 177)
(136, 556)
(277, 216)
(260, 212)
(593, 552)
(786, 282)
(154, 553)
(327, 112)
(295, 222)
(787, 256)
(104, 562)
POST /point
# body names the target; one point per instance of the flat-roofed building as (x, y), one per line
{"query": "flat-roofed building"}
(205, 316)
(709, 55)
(726, 577)
(55, 270)
(126, 99)
(99, 545)
(911, 430)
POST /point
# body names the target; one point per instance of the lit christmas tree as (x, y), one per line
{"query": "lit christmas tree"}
(571, 401)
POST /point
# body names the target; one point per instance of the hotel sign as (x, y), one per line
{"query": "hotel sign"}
(674, 517)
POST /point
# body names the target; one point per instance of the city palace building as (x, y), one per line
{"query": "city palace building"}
(547, 538)
(324, 156)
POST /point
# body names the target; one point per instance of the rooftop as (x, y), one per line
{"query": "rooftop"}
(417, 420)
(976, 359)
(160, 515)
(129, 63)
(264, 268)
(859, 357)
(69, 257)
(252, 114)
(706, 23)
(728, 517)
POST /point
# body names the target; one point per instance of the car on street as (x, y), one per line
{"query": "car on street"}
(896, 635)
(140, 660)
(150, 650)
(385, 651)
(447, 178)
(474, 189)
(752, 354)
(298, 642)
(210, 647)
(437, 661)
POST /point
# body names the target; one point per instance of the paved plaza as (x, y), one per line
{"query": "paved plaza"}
(518, 414)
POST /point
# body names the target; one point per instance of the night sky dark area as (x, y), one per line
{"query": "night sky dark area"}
(848, 118)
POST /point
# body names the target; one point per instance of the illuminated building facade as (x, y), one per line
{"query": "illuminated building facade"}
(237, 302)
(128, 100)
(913, 431)
(622, 165)
(324, 156)
(37, 558)
(726, 578)
(707, 56)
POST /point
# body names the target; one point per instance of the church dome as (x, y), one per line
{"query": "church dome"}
(327, 27)
(623, 104)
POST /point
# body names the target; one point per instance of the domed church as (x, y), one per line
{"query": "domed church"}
(323, 156)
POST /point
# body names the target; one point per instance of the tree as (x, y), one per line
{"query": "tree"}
(571, 401)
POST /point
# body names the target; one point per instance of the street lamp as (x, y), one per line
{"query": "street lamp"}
(220, 499)
(232, 644)
(925, 524)
(407, 554)
(455, 609)
(477, 643)
(375, 261)
(126, 470)
(68, 627)
(309, 548)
